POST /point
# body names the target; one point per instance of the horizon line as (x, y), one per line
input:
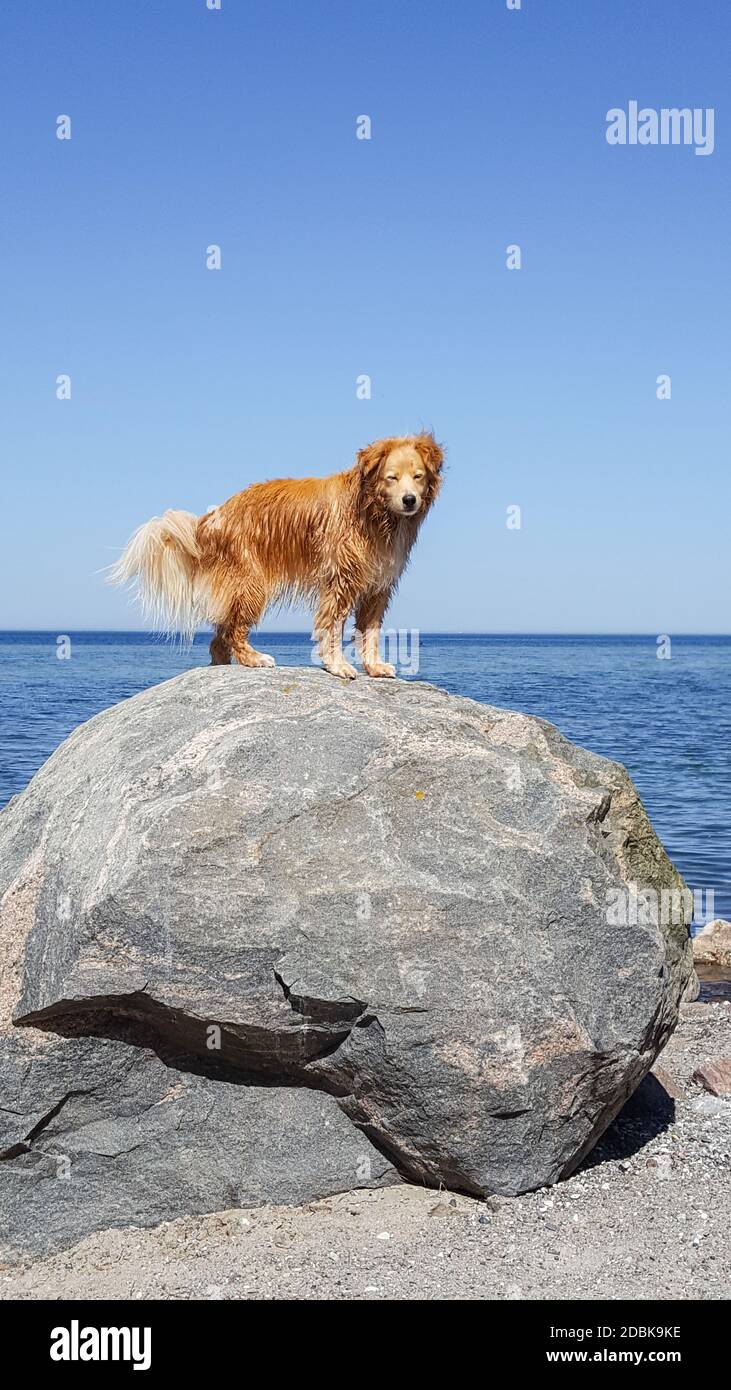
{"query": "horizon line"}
(307, 634)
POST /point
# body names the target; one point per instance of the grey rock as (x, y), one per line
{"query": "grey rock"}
(95, 1133)
(692, 989)
(377, 891)
(103, 1125)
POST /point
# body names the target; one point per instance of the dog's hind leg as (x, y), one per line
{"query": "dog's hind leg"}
(246, 614)
(221, 648)
(238, 598)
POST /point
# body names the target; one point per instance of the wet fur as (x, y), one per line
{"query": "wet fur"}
(336, 542)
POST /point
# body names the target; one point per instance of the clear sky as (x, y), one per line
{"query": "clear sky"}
(387, 257)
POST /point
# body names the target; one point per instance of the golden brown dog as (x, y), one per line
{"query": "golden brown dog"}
(341, 541)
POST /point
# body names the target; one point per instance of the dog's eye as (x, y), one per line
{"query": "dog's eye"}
(417, 476)
(391, 478)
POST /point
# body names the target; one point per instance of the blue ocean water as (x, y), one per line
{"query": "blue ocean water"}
(667, 720)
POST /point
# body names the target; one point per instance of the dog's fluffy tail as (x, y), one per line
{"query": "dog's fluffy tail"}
(163, 557)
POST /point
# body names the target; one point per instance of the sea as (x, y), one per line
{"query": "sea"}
(661, 706)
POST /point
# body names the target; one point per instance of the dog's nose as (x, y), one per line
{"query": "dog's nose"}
(409, 501)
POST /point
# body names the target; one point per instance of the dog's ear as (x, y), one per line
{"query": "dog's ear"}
(372, 457)
(431, 454)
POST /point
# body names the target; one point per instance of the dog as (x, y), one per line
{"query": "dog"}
(342, 542)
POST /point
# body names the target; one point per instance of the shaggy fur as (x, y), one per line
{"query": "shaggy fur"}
(341, 542)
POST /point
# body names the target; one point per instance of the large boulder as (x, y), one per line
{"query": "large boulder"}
(288, 934)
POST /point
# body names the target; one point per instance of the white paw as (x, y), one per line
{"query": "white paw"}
(381, 668)
(255, 659)
(343, 669)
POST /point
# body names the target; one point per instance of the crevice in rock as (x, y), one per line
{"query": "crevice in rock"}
(24, 1145)
(249, 1054)
(321, 1010)
(599, 812)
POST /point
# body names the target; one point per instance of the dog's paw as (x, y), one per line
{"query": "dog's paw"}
(342, 669)
(381, 668)
(256, 659)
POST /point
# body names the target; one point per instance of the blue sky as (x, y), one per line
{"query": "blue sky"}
(342, 257)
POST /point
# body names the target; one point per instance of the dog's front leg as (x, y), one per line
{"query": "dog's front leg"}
(329, 623)
(368, 618)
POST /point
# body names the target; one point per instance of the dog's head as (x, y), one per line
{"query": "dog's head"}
(402, 473)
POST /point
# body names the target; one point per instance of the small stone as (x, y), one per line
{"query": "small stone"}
(667, 1083)
(712, 945)
(714, 1076)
